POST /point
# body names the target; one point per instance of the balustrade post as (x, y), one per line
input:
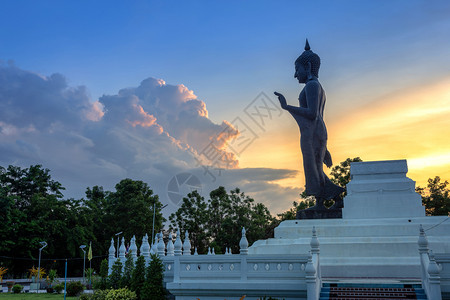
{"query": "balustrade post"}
(161, 246)
(187, 244)
(434, 290)
(111, 257)
(133, 248)
(243, 250)
(122, 251)
(154, 248)
(170, 245)
(243, 244)
(178, 245)
(424, 259)
(311, 282)
(145, 249)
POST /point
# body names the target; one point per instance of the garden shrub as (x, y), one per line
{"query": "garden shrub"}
(74, 288)
(121, 294)
(99, 295)
(85, 297)
(59, 288)
(17, 289)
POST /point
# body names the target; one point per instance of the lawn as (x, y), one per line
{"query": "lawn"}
(31, 296)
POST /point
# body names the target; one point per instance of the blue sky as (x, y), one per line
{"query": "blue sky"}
(226, 53)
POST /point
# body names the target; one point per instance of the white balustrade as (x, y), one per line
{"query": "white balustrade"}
(430, 271)
(283, 275)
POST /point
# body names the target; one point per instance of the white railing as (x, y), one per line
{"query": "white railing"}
(429, 269)
(209, 276)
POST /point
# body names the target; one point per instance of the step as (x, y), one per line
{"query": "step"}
(371, 291)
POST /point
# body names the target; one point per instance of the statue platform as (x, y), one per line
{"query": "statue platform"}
(377, 235)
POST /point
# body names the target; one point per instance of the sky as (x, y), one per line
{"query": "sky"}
(179, 94)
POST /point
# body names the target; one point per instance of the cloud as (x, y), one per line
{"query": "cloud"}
(178, 112)
(150, 132)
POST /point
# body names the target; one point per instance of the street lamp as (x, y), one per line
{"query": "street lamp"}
(84, 258)
(153, 227)
(43, 244)
(117, 234)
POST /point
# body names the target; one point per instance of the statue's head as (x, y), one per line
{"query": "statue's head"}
(309, 60)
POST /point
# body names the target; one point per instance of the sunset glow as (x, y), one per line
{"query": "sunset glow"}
(151, 89)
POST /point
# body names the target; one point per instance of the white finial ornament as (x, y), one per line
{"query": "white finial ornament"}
(187, 244)
(243, 244)
(178, 245)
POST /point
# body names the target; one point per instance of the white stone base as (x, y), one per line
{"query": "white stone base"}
(380, 189)
(356, 248)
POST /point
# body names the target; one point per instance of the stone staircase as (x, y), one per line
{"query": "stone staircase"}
(359, 291)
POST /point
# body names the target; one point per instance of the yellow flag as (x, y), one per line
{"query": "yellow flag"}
(90, 251)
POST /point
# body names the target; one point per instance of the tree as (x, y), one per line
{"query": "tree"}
(435, 197)
(127, 271)
(154, 285)
(218, 222)
(116, 275)
(96, 207)
(138, 277)
(193, 216)
(103, 283)
(130, 209)
(33, 212)
(340, 174)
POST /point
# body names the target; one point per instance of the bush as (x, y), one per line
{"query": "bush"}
(99, 295)
(74, 288)
(17, 289)
(85, 297)
(121, 294)
(59, 288)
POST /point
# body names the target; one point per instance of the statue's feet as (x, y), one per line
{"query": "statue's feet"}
(338, 203)
(319, 205)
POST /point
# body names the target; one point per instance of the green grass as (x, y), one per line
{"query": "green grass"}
(31, 296)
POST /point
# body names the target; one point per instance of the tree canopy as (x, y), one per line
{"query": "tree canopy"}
(435, 197)
(218, 222)
(33, 210)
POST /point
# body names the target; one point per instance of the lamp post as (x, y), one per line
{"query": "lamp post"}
(84, 259)
(153, 226)
(43, 244)
(118, 234)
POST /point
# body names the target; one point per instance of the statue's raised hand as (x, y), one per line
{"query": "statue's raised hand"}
(282, 100)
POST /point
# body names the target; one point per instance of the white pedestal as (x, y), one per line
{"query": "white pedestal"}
(380, 189)
(377, 236)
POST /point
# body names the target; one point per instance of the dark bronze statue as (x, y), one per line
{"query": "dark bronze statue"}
(313, 132)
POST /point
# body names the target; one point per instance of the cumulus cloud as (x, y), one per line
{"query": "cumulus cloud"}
(150, 132)
(180, 114)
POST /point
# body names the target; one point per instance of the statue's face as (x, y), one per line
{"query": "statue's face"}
(300, 73)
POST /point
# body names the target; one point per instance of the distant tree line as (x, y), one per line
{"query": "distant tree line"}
(32, 209)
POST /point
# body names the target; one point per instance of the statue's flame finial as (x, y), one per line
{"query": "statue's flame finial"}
(307, 47)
